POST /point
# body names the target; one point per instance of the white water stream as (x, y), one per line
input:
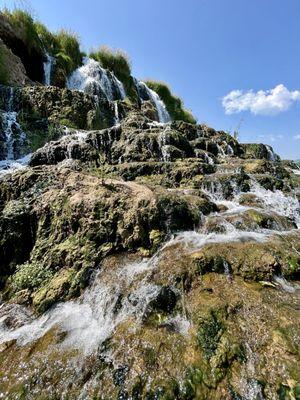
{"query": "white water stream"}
(48, 67)
(93, 79)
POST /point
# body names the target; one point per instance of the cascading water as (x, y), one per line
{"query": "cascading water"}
(13, 137)
(91, 78)
(230, 150)
(48, 66)
(145, 93)
(271, 155)
(164, 145)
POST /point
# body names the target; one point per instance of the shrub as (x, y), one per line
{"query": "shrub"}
(116, 61)
(48, 40)
(68, 53)
(173, 103)
(30, 276)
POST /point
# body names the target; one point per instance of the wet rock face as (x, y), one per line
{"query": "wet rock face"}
(145, 260)
(138, 139)
(61, 106)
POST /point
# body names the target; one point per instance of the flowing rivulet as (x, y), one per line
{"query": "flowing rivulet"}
(141, 257)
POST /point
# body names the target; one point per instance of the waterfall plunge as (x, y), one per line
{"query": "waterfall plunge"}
(91, 78)
(13, 136)
(145, 93)
(48, 66)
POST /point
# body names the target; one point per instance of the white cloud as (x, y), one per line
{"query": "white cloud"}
(271, 137)
(297, 137)
(268, 102)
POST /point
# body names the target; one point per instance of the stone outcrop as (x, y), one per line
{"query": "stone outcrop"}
(31, 58)
(142, 260)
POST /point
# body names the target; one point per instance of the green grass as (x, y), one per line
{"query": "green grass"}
(68, 51)
(118, 62)
(63, 45)
(173, 103)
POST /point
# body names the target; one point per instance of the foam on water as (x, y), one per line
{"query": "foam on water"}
(92, 318)
(48, 66)
(160, 106)
(278, 202)
(93, 79)
(8, 166)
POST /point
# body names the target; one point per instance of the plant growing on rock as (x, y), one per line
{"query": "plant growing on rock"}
(173, 103)
(117, 61)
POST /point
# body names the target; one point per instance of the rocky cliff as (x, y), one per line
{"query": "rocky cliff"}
(141, 257)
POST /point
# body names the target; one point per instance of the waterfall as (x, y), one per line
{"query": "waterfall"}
(48, 65)
(220, 151)
(145, 93)
(116, 112)
(163, 145)
(208, 159)
(13, 135)
(92, 318)
(91, 78)
(271, 154)
(230, 151)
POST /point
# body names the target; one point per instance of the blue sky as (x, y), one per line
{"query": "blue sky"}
(204, 49)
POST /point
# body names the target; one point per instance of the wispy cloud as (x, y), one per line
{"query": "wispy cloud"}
(297, 137)
(263, 102)
(271, 137)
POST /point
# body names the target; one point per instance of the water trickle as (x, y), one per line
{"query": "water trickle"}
(91, 78)
(13, 136)
(145, 93)
(116, 112)
(209, 159)
(271, 155)
(284, 284)
(163, 145)
(230, 150)
(221, 152)
(277, 201)
(48, 66)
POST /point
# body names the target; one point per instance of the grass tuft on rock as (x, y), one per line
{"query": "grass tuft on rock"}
(63, 45)
(173, 103)
(118, 62)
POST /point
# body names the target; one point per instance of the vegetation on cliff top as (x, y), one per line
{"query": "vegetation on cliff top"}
(173, 103)
(63, 45)
(118, 62)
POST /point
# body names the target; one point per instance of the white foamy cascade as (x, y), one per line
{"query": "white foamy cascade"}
(92, 318)
(13, 134)
(277, 201)
(48, 66)
(91, 78)
(271, 155)
(151, 95)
